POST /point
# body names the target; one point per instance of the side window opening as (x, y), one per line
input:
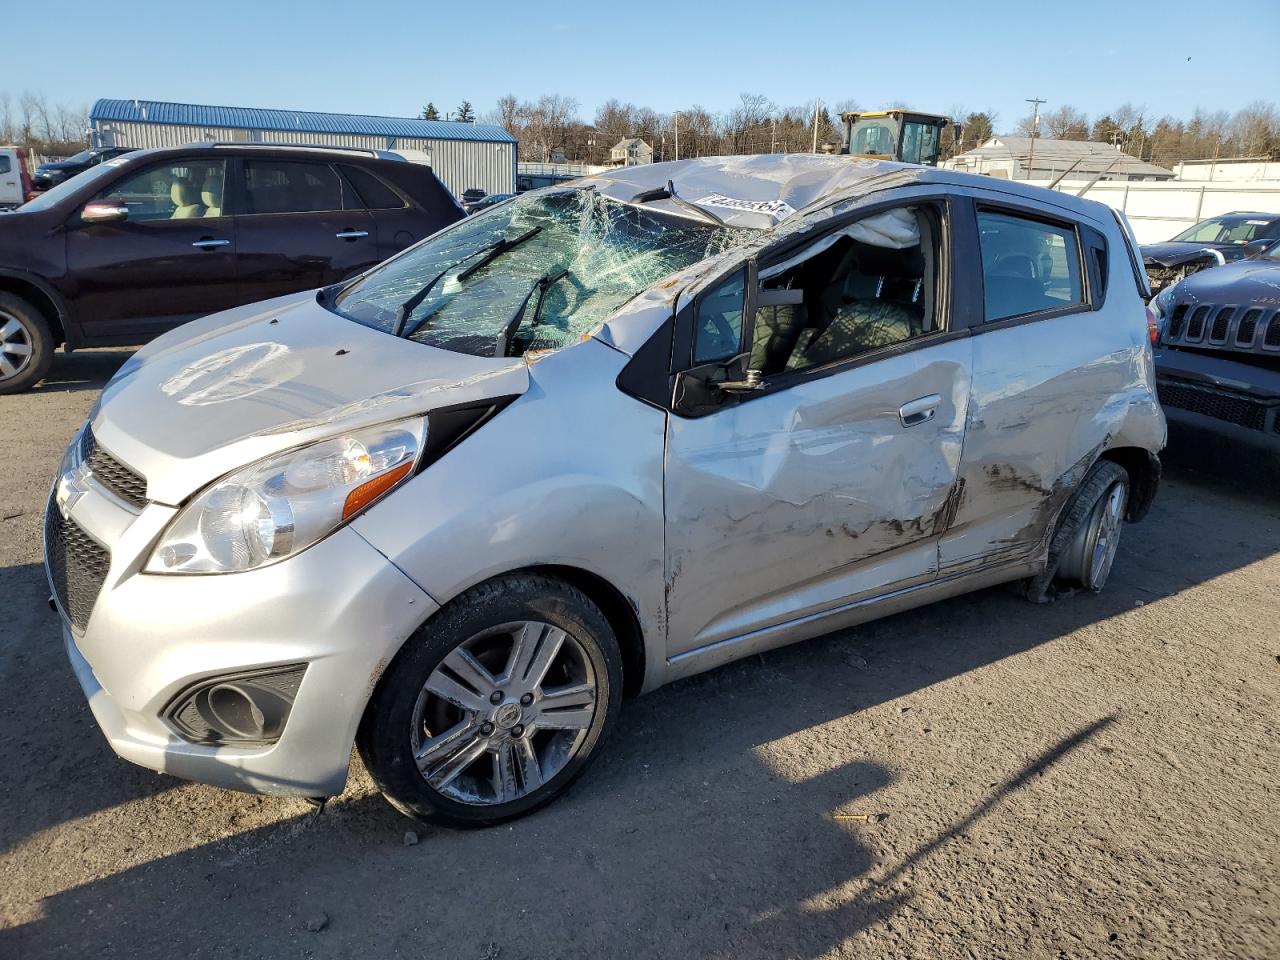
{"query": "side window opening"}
(373, 193)
(1028, 266)
(181, 190)
(287, 186)
(870, 285)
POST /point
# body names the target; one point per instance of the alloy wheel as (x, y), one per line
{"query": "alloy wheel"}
(15, 346)
(1107, 523)
(503, 713)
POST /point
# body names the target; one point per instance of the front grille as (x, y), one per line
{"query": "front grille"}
(1195, 326)
(1218, 334)
(77, 565)
(1272, 338)
(111, 473)
(1244, 413)
(1177, 323)
(1248, 326)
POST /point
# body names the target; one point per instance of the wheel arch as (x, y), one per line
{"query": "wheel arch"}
(1144, 470)
(613, 603)
(617, 609)
(41, 296)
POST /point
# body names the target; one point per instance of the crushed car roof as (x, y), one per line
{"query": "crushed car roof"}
(765, 190)
(749, 191)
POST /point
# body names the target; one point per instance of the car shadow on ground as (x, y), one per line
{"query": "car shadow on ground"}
(81, 370)
(693, 836)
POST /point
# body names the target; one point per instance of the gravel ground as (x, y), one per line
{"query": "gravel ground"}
(1098, 778)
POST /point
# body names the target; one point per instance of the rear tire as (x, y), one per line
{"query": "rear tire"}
(496, 705)
(1084, 544)
(26, 344)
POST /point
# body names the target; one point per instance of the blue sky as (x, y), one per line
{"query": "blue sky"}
(391, 58)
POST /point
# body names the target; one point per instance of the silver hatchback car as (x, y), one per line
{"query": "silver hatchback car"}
(592, 440)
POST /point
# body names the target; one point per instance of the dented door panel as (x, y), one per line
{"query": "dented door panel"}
(791, 503)
(1048, 398)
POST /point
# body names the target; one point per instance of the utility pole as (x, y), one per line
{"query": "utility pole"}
(1035, 128)
(676, 120)
(816, 103)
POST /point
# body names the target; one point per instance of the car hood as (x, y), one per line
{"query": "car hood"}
(1172, 253)
(224, 391)
(1255, 282)
(58, 165)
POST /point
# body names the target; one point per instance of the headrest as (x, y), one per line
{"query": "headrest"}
(211, 195)
(183, 193)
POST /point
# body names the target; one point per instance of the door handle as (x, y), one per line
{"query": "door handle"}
(350, 234)
(208, 243)
(919, 410)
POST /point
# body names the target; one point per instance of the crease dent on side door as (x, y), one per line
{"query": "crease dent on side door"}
(795, 502)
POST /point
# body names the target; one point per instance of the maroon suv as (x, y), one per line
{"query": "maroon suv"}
(154, 238)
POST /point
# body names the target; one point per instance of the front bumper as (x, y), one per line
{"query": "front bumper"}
(340, 607)
(1223, 414)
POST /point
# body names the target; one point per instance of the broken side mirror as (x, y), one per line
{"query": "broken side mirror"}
(707, 387)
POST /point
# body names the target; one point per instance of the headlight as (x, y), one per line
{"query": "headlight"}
(282, 505)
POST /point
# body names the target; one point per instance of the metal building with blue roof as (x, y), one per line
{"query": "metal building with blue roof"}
(463, 155)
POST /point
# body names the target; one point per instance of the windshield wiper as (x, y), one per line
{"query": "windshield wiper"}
(669, 193)
(497, 250)
(491, 253)
(540, 287)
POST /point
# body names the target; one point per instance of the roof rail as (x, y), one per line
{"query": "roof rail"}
(243, 145)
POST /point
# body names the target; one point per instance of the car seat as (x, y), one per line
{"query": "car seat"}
(186, 201)
(211, 195)
(856, 328)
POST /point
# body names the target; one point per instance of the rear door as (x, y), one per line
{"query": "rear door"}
(397, 223)
(171, 260)
(299, 226)
(11, 193)
(831, 482)
(1050, 372)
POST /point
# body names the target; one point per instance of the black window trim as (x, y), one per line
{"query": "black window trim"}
(1035, 215)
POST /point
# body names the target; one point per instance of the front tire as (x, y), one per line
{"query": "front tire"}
(496, 705)
(26, 344)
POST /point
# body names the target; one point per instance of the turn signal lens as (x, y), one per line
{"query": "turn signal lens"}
(371, 490)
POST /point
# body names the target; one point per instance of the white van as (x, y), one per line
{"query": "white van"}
(15, 180)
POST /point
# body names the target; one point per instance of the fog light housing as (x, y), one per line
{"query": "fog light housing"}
(243, 708)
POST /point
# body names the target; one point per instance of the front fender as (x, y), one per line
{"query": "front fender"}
(570, 474)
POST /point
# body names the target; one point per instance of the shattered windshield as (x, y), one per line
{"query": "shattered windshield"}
(535, 273)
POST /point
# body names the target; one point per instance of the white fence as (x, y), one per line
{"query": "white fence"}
(1159, 210)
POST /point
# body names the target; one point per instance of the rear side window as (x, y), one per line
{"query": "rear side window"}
(374, 194)
(5, 167)
(284, 186)
(1028, 266)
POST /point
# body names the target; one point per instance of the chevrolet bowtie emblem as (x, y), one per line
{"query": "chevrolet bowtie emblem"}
(72, 485)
